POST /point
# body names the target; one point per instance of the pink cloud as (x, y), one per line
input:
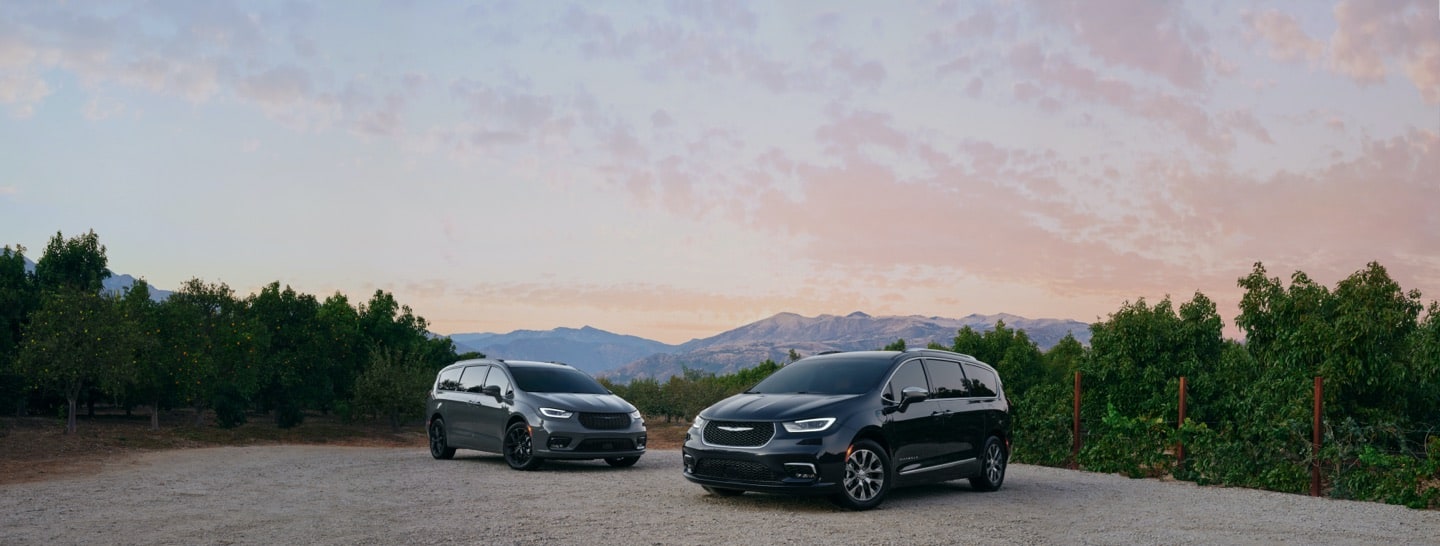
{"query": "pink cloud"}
(1287, 40)
(1369, 35)
(1154, 37)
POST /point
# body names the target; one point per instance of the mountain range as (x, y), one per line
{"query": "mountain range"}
(622, 358)
(116, 283)
(625, 357)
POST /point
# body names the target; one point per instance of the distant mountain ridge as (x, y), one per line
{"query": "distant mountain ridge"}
(622, 357)
(590, 349)
(116, 283)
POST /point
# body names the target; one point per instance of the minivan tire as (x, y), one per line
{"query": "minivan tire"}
(992, 466)
(867, 477)
(519, 451)
(439, 442)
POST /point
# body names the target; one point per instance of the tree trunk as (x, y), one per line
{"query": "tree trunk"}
(199, 415)
(70, 415)
(155, 415)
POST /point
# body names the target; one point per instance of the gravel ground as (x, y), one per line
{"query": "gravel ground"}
(340, 495)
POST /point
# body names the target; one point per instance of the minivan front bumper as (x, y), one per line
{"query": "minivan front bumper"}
(568, 439)
(789, 464)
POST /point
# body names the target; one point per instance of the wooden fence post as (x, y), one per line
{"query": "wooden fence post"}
(1315, 442)
(1075, 449)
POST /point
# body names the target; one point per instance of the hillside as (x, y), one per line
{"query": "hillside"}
(774, 337)
(590, 349)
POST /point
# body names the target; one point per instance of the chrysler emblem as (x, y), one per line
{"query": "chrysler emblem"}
(735, 429)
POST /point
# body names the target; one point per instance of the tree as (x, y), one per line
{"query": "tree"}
(77, 263)
(292, 375)
(19, 296)
(145, 377)
(212, 344)
(342, 345)
(393, 385)
(74, 340)
(1138, 355)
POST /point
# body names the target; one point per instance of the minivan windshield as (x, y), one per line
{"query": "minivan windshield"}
(836, 375)
(556, 380)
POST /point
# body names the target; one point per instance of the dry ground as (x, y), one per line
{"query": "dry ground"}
(36, 448)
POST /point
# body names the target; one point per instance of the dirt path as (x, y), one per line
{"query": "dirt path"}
(352, 495)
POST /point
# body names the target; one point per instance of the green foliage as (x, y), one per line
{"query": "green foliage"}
(897, 345)
(275, 351)
(19, 296)
(393, 385)
(77, 264)
(1042, 426)
(1134, 446)
(75, 340)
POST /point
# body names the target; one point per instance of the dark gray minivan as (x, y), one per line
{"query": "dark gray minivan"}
(529, 412)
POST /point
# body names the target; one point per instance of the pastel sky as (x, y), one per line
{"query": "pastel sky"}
(676, 169)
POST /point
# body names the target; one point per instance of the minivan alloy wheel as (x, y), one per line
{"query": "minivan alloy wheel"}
(439, 444)
(992, 466)
(519, 449)
(866, 478)
(864, 475)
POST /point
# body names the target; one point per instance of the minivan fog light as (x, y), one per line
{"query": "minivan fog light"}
(559, 442)
(804, 471)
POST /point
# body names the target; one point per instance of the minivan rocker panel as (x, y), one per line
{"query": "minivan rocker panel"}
(854, 426)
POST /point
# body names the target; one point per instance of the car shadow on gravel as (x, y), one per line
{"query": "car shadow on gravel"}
(497, 462)
(958, 492)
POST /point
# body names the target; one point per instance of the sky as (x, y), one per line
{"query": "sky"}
(676, 169)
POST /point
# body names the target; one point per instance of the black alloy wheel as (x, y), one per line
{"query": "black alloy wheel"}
(439, 444)
(518, 448)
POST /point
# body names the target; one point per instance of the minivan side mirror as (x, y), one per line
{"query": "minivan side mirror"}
(911, 395)
(492, 390)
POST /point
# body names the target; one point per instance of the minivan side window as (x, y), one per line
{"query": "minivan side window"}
(982, 382)
(449, 379)
(910, 374)
(946, 379)
(500, 379)
(473, 379)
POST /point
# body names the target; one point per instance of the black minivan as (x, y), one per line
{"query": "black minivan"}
(853, 425)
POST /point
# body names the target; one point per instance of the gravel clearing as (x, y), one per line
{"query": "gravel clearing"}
(348, 495)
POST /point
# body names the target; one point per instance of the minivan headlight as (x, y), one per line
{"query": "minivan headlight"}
(699, 423)
(556, 413)
(809, 425)
(635, 415)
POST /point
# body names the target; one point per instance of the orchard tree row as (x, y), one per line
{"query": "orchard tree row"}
(1249, 404)
(274, 352)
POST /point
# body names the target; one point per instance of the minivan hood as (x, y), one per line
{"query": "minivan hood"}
(589, 403)
(776, 407)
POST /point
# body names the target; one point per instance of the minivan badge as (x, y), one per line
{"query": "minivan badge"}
(735, 429)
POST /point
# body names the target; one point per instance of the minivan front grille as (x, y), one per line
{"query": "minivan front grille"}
(605, 421)
(732, 469)
(738, 433)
